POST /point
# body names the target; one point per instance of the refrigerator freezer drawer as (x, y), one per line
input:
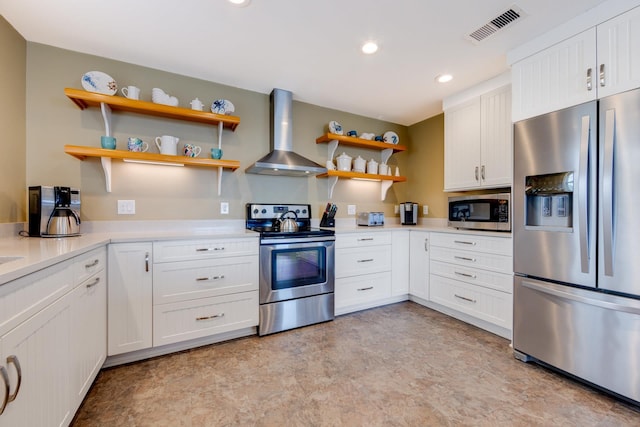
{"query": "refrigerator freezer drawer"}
(591, 335)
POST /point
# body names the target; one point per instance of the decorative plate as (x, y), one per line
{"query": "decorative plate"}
(335, 127)
(222, 106)
(97, 81)
(390, 138)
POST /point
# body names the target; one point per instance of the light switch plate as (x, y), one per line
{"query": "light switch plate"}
(396, 209)
(224, 208)
(351, 209)
(126, 207)
(425, 210)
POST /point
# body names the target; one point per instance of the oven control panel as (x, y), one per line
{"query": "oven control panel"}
(266, 211)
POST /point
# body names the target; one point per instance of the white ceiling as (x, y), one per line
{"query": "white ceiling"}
(311, 48)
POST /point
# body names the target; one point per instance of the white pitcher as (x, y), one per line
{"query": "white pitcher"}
(167, 144)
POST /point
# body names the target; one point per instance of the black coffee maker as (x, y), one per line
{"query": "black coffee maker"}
(54, 211)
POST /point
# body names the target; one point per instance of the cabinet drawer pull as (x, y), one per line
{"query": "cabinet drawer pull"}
(210, 317)
(210, 249)
(146, 262)
(471, 276)
(92, 264)
(92, 284)
(464, 258)
(589, 84)
(464, 298)
(365, 260)
(13, 359)
(426, 245)
(464, 242)
(602, 80)
(364, 239)
(205, 279)
(5, 380)
(366, 289)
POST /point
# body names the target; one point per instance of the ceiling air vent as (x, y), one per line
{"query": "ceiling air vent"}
(499, 22)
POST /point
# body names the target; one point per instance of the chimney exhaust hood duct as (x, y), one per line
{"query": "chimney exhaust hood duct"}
(282, 160)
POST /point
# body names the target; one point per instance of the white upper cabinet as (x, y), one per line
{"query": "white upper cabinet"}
(598, 62)
(478, 142)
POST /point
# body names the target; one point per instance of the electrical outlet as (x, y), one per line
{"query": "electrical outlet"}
(224, 208)
(126, 207)
(351, 209)
(425, 210)
(396, 209)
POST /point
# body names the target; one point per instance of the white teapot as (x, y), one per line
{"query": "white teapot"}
(344, 162)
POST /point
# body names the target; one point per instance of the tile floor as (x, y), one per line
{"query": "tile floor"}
(398, 365)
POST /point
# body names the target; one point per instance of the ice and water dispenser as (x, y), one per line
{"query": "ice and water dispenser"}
(549, 201)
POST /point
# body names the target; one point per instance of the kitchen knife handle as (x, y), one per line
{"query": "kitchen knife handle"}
(583, 191)
(607, 190)
(602, 79)
(589, 83)
(13, 359)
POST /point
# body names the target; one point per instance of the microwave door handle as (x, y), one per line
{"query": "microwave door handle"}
(583, 192)
(607, 191)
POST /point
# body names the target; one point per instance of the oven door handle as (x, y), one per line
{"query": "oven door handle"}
(287, 241)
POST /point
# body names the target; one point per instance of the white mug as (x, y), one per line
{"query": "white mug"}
(167, 144)
(131, 92)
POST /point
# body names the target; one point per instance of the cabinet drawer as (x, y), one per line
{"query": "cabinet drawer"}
(488, 279)
(487, 304)
(357, 240)
(86, 265)
(354, 261)
(187, 320)
(185, 250)
(187, 280)
(475, 260)
(362, 289)
(24, 297)
(472, 242)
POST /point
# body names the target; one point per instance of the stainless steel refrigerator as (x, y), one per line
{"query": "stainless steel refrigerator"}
(576, 225)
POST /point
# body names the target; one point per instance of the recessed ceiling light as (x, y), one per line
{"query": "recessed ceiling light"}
(370, 47)
(240, 3)
(444, 78)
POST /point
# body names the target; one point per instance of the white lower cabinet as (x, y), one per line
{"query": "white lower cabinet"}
(52, 340)
(400, 263)
(419, 265)
(130, 297)
(471, 277)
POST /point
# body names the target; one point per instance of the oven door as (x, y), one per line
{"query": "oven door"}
(296, 270)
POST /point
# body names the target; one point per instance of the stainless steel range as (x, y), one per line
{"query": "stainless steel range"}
(296, 267)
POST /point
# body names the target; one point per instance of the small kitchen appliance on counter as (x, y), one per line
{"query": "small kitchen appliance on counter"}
(54, 211)
(408, 213)
(371, 219)
(296, 267)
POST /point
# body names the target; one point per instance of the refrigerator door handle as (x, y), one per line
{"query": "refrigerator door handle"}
(632, 307)
(583, 191)
(607, 191)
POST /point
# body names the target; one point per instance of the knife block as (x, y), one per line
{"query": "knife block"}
(326, 221)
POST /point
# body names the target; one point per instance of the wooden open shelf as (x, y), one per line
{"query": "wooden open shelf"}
(358, 175)
(81, 152)
(359, 142)
(84, 99)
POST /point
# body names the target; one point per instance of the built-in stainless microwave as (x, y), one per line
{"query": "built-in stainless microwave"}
(481, 212)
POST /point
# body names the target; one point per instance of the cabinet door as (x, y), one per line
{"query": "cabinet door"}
(555, 78)
(496, 142)
(42, 346)
(619, 54)
(399, 263)
(89, 335)
(462, 146)
(419, 264)
(129, 297)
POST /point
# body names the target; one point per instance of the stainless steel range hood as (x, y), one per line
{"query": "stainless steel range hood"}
(282, 160)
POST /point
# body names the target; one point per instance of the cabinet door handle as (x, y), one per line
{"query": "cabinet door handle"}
(426, 245)
(92, 264)
(464, 242)
(365, 260)
(92, 284)
(209, 317)
(146, 262)
(602, 79)
(365, 239)
(589, 84)
(482, 172)
(7, 390)
(365, 289)
(464, 258)
(471, 276)
(476, 173)
(205, 279)
(13, 359)
(464, 298)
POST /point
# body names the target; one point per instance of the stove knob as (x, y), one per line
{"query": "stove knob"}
(255, 211)
(297, 211)
(304, 211)
(264, 211)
